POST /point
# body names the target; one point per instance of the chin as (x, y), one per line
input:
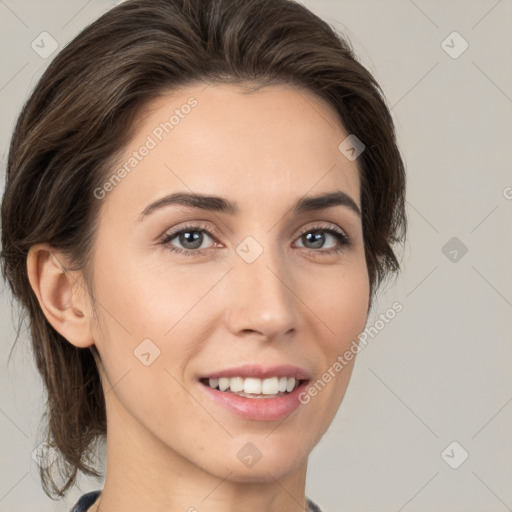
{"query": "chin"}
(260, 466)
(262, 473)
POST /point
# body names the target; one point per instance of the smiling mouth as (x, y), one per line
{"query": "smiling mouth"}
(252, 387)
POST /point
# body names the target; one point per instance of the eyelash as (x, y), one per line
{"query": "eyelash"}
(342, 238)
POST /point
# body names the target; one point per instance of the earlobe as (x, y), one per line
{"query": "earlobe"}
(60, 294)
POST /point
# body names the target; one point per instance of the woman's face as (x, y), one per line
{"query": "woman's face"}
(259, 285)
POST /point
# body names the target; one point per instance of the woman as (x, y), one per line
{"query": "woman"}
(200, 205)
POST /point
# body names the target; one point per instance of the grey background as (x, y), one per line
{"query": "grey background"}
(439, 372)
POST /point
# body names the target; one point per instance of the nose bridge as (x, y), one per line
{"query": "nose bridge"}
(262, 291)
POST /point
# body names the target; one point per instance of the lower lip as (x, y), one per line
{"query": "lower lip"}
(261, 409)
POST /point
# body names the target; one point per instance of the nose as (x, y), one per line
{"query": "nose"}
(262, 297)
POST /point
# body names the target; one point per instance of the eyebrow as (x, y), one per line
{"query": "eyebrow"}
(222, 205)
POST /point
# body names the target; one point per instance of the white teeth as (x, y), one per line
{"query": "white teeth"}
(223, 383)
(236, 384)
(254, 386)
(270, 386)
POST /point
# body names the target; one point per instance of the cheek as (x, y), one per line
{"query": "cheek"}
(342, 301)
(157, 314)
(147, 298)
(342, 306)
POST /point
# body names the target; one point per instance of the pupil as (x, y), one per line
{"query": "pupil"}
(318, 238)
(194, 236)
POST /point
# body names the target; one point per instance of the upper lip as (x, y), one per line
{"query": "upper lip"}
(261, 372)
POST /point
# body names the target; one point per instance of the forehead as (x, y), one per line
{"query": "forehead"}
(276, 142)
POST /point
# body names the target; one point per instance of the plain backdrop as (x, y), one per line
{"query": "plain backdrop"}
(426, 421)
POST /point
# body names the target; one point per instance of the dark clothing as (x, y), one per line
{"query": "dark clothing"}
(85, 501)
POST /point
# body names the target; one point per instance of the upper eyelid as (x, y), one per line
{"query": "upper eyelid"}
(321, 226)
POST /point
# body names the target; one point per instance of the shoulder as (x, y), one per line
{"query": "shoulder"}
(86, 501)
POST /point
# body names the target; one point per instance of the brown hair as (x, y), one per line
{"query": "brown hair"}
(80, 116)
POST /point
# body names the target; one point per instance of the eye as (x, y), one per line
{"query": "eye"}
(316, 237)
(191, 237)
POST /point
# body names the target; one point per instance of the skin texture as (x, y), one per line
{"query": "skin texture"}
(170, 447)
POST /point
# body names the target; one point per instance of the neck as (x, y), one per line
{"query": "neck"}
(144, 474)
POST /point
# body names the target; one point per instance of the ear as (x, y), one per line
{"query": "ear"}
(61, 294)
